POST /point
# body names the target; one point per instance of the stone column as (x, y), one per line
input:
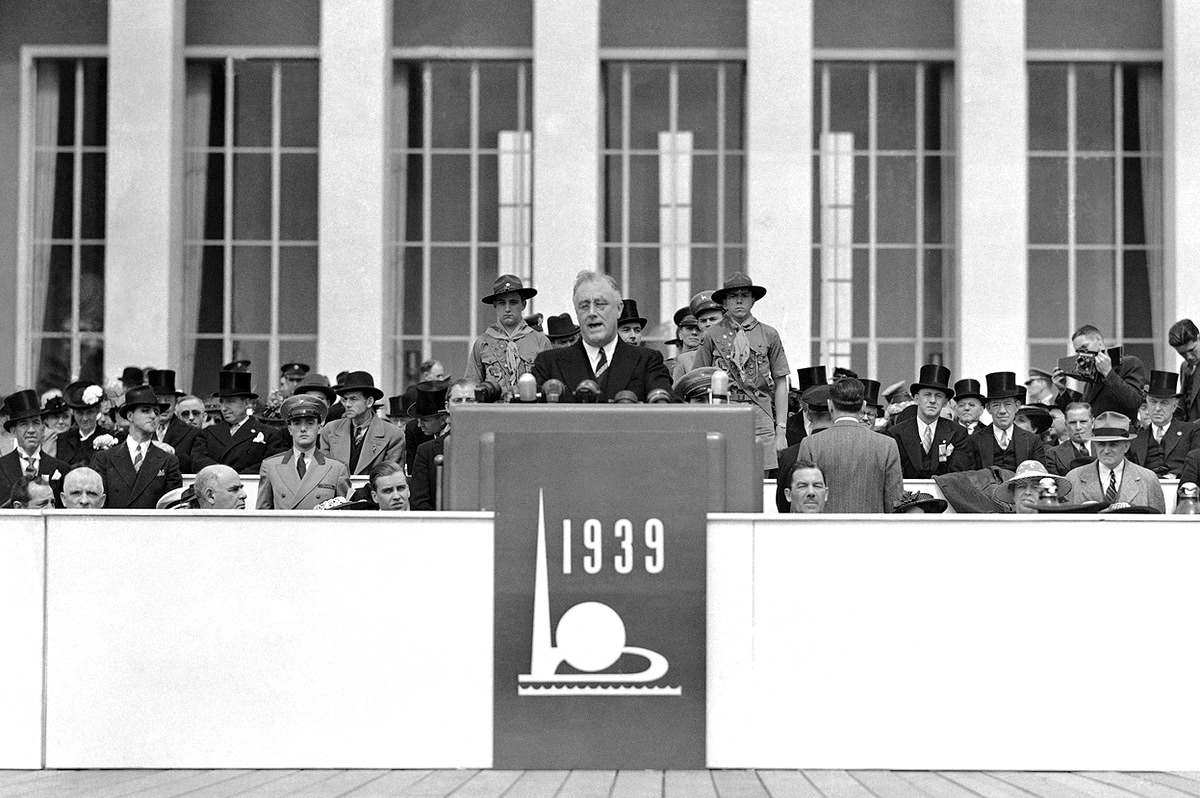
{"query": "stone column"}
(1181, 164)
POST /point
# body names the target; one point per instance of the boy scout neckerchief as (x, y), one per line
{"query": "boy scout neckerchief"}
(741, 349)
(512, 355)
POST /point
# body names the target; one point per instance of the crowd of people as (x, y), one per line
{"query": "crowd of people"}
(1096, 432)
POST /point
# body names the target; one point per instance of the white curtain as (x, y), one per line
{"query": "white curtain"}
(1149, 85)
(45, 134)
(197, 112)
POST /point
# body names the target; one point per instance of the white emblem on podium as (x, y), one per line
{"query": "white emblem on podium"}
(590, 637)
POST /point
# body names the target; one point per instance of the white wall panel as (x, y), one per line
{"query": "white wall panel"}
(22, 561)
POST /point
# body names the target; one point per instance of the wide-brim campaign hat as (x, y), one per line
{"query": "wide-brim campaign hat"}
(1033, 471)
(1111, 427)
(629, 314)
(1038, 415)
(360, 381)
(1163, 385)
(21, 405)
(235, 385)
(871, 390)
(508, 284)
(738, 281)
(934, 377)
(703, 301)
(132, 376)
(561, 326)
(141, 396)
(76, 395)
(316, 382)
(236, 365)
(431, 399)
(303, 406)
(810, 376)
(969, 389)
(163, 382)
(294, 369)
(1003, 385)
(911, 500)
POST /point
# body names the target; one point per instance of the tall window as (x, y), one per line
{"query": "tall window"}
(250, 217)
(65, 275)
(674, 166)
(883, 217)
(1095, 206)
(462, 177)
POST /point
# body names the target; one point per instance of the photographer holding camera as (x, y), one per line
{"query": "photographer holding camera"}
(1117, 390)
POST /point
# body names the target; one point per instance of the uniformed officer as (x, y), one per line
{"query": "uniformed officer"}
(302, 477)
(506, 349)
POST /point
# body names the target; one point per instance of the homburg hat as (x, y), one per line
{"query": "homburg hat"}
(163, 382)
(359, 381)
(76, 395)
(131, 376)
(431, 399)
(703, 301)
(969, 389)
(1110, 427)
(560, 326)
(21, 405)
(508, 284)
(294, 369)
(141, 396)
(317, 383)
(934, 377)
(629, 314)
(1163, 385)
(235, 384)
(1003, 385)
(737, 281)
(303, 407)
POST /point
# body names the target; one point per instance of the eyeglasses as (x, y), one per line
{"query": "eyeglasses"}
(599, 305)
(191, 413)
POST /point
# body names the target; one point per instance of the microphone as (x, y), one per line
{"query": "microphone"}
(659, 396)
(720, 387)
(587, 392)
(527, 388)
(553, 390)
(626, 398)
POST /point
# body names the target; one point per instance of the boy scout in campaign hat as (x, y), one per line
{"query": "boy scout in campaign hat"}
(301, 477)
(507, 349)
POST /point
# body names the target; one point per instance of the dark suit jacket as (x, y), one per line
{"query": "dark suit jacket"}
(861, 468)
(1062, 458)
(413, 439)
(52, 468)
(1180, 438)
(633, 368)
(126, 489)
(244, 452)
(182, 437)
(1191, 468)
(423, 485)
(795, 430)
(1189, 404)
(1121, 391)
(913, 461)
(75, 452)
(1028, 446)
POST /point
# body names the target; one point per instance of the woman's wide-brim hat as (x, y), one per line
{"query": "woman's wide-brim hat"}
(933, 377)
(508, 284)
(141, 396)
(21, 405)
(73, 395)
(914, 500)
(235, 385)
(1033, 471)
(431, 399)
(1112, 427)
(362, 382)
(738, 281)
(1038, 415)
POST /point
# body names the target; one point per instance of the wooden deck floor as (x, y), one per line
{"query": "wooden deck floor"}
(592, 784)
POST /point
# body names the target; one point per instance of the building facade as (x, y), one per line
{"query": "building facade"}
(338, 182)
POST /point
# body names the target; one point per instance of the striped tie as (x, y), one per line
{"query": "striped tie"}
(928, 439)
(1110, 495)
(137, 460)
(601, 363)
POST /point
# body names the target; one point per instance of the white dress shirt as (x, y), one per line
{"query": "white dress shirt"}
(593, 353)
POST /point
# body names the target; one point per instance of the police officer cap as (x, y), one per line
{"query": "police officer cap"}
(304, 406)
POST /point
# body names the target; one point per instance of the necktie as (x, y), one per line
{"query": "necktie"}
(1158, 434)
(31, 469)
(1110, 495)
(137, 459)
(1004, 440)
(300, 467)
(601, 363)
(928, 438)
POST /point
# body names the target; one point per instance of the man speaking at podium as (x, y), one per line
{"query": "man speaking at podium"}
(600, 355)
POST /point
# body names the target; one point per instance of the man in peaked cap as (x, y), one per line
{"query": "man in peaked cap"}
(630, 323)
(301, 477)
(1175, 437)
(687, 338)
(706, 311)
(172, 430)
(507, 349)
(1002, 444)
(930, 444)
(238, 440)
(1113, 478)
(23, 418)
(360, 439)
(138, 471)
(1040, 388)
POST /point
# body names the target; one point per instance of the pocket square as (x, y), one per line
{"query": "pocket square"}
(162, 472)
(56, 475)
(259, 438)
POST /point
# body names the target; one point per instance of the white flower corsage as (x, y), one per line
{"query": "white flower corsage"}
(166, 447)
(92, 395)
(259, 438)
(104, 442)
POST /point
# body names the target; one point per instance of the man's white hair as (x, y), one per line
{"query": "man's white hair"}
(589, 276)
(210, 477)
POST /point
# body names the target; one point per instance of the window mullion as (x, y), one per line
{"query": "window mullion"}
(1119, 206)
(872, 206)
(227, 236)
(1072, 259)
(426, 208)
(919, 94)
(626, 145)
(276, 202)
(76, 218)
(473, 252)
(721, 77)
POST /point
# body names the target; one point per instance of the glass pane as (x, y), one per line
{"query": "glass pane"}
(407, 105)
(298, 197)
(487, 270)
(451, 195)
(1047, 200)
(55, 100)
(56, 313)
(858, 359)
(1048, 294)
(91, 359)
(613, 198)
(91, 289)
(612, 104)
(252, 197)
(936, 294)
(939, 107)
(298, 291)
(1139, 301)
(498, 109)
(735, 261)
(861, 303)
(298, 352)
(95, 102)
(211, 200)
(896, 122)
(452, 355)
(1093, 107)
(818, 122)
(815, 203)
(643, 198)
(896, 362)
(52, 186)
(1140, 174)
(896, 293)
(1142, 87)
(1047, 107)
(206, 79)
(211, 292)
(939, 352)
(644, 278)
(939, 200)
(251, 290)
(704, 199)
(258, 353)
(704, 270)
(409, 269)
(1045, 356)
(252, 103)
(410, 205)
(1144, 352)
(1095, 290)
(848, 102)
(733, 198)
(896, 183)
(54, 362)
(1094, 203)
(451, 104)
(649, 104)
(489, 197)
(92, 206)
(299, 105)
(206, 367)
(862, 195)
(735, 79)
(698, 103)
(449, 314)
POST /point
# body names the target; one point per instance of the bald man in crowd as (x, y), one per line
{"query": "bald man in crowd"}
(219, 487)
(83, 489)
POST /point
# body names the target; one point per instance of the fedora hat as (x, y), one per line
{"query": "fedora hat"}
(1033, 471)
(431, 399)
(317, 383)
(560, 326)
(808, 377)
(1111, 427)
(703, 301)
(508, 284)
(141, 396)
(236, 365)
(915, 500)
(629, 314)
(969, 389)
(163, 382)
(1163, 385)
(359, 381)
(736, 281)
(933, 377)
(131, 376)
(21, 405)
(77, 395)
(871, 389)
(235, 384)
(1003, 385)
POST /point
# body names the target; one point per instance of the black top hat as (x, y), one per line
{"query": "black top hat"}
(236, 365)
(131, 376)
(508, 284)
(294, 369)
(934, 377)
(21, 405)
(738, 280)
(396, 407)
(629, 313)
(968, 389)
(1003, 385)
(54, 406)
(431, 398)
(234, 384)
(871, 388)
(1163, 385)
(359, 381)
(560, 326)
(73, 394)
(141, 396)
(163, 382)
(807, 378)
(317, 383)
